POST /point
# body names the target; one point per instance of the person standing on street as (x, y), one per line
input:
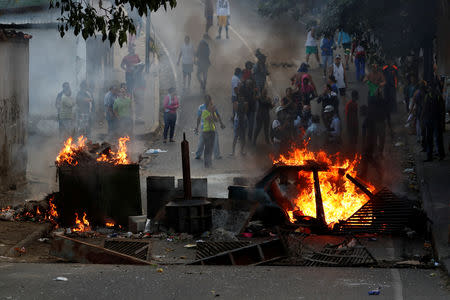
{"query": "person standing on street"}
(359, 53)
(85, 104)
(434, 120)
(390, 72)
(209, 119)
(338, 71)
(128, 64)
(122, 111)
(240, 107)
(209, 15)
(260, 72)
(327, 45)
(110, 117)
(201, 142)
(65, 87)
(203, 62)
(334, 133)
(235, 83)
(351, 116)
(66, 113)
(345, 41)
(223, 17)
(186, 56)
(171, 104)
(263, 117)
(311, 45)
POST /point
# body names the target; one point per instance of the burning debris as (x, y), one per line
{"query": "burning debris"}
(84, 152)
(323, 174)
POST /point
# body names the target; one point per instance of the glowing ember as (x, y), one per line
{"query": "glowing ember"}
(118, 158)
(341, 198)
(110, 224)
(81, 225)
(69, 151)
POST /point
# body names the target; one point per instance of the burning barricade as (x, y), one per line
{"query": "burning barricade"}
(97, 180)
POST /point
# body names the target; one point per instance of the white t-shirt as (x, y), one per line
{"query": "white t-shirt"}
(338, 73)
(223, 8)
(187, 54)
(310, 40)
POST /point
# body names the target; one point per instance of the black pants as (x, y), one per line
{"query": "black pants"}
(208, 138)
(434, 132)
(169, 123)
(202, 76)
(262, 121)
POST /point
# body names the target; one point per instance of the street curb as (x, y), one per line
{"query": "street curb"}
(29, 239)
(426, 202)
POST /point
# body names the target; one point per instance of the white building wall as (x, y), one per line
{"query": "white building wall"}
(13, 111)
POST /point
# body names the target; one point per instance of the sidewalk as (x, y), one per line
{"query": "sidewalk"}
(434, 179)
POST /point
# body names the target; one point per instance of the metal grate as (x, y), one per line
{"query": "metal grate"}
(206, 249)
(383, 213)
(335, 257)
(136, 249)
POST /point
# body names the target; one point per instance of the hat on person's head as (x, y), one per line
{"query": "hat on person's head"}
(338, 56)
(328, 109)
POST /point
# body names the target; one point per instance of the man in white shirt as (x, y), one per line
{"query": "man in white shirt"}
(187, 54)
(223, 16)
(338, 71)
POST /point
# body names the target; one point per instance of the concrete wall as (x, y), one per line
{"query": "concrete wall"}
(54, 60)
(14, 61)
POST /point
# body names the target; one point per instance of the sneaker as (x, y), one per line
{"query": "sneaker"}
(198, 157)
(172, 140)
(165, 141)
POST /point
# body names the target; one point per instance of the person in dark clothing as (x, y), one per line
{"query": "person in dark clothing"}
(390, 72)
(247, 91)
(260, 71)
(263, 116)
(351, 115)
(240, 107)
(307, 91)
(433, 118)
(328, 98)
(203, 62)
(368, 145)
(85, 104)
(409, 90)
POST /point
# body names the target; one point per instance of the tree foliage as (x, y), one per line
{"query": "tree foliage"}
(106, 18)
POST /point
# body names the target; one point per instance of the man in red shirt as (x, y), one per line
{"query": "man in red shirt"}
(128, 65)
(351, 116)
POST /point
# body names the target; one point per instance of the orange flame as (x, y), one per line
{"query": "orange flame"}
(81, 225)
(68, 152)
(341, 198)
(110, 224)
(117, 158)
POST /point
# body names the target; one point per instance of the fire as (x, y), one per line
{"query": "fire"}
(341, 198)
(69, 151)
(81, 225)
(120, 157)
(110, 224)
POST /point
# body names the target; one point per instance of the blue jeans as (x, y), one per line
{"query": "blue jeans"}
(201, 146)
(360, 64)
(169, 123)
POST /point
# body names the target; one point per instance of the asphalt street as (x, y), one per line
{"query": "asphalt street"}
(36, 281)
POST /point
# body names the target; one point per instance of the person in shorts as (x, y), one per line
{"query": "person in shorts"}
(345, 40)
(187, 54)
(311, 46)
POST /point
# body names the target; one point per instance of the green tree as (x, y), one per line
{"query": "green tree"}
(107, 18)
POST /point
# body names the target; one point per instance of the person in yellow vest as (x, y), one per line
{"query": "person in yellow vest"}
(209, 119)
